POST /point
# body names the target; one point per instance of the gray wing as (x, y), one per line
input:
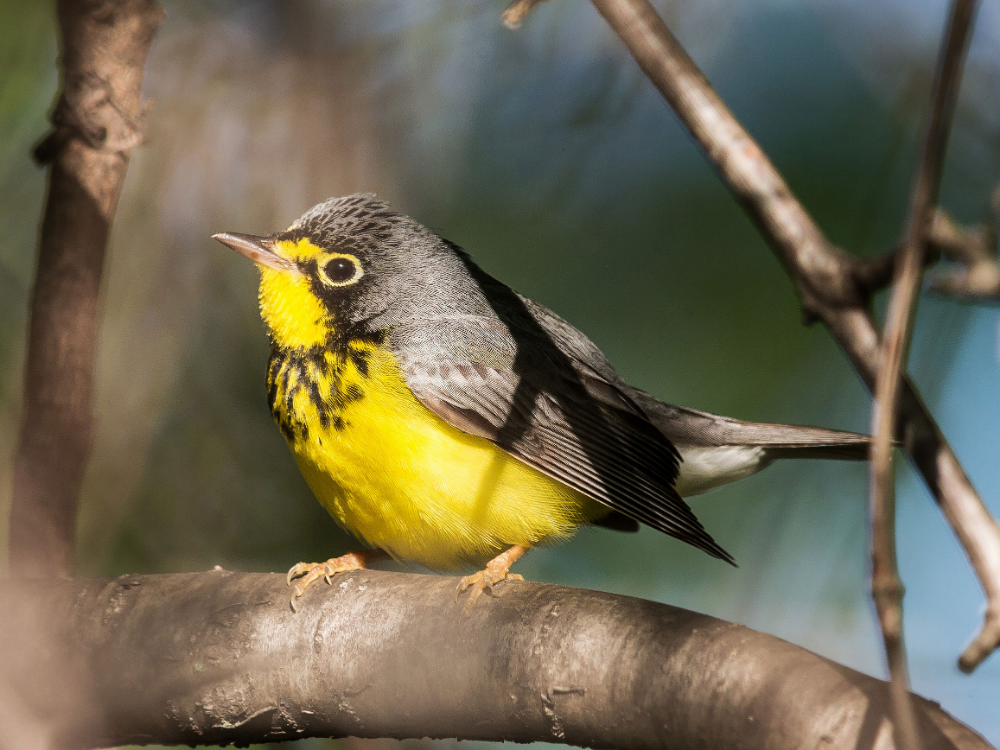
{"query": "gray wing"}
(683, 426)
(546, 400)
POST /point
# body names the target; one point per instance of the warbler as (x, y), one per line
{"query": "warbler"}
(445, 419)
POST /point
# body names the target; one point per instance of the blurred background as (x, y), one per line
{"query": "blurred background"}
(547, 154)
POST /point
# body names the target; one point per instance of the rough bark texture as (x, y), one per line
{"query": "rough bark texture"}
(219, 657)
(96, 123)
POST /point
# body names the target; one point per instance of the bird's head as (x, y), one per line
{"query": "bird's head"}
(346, 263)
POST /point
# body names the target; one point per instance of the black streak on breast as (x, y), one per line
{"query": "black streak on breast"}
(292, 370)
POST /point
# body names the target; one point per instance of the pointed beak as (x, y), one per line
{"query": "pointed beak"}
(258, 249)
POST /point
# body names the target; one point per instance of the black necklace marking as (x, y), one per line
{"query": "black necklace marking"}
(288, 372)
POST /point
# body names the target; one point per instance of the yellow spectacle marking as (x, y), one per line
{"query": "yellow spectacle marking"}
(301, 249)
(355, 277)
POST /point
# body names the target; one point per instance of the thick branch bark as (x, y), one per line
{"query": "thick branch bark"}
(826, 279)
(219, 657)
(97, 122)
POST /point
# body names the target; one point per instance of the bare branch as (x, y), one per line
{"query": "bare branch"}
(517, 11)
(887, 588)
(96, 123)
(975, 249)
(825, 278)
(219, 657)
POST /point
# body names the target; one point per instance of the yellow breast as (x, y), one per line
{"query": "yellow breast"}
(397, 475)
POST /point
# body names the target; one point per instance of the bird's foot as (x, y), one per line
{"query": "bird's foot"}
(305, 574)
(485, 581)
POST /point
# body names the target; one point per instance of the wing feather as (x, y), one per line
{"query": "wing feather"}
(556, 405)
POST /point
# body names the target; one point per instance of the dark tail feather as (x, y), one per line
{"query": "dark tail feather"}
(698, 428)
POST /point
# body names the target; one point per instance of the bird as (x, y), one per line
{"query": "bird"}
(446, 420)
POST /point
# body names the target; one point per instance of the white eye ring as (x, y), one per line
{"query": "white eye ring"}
(334, 273)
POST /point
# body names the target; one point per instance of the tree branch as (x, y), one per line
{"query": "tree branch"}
(887, 588)
(219, 657)
(974, 247)
(517, 11)
(827, 279)
(975, 250)
(96, 123)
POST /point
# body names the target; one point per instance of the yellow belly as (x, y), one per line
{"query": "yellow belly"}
(401, 478)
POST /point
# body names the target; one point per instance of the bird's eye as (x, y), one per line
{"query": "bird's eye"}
(339, 270)
(342, 270)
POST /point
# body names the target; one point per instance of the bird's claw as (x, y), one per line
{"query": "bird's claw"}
(299, 569)
(485, 581)
(305, 574)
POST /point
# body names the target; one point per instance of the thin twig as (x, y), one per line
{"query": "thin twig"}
(824, 277)
(972, 248)
(517, 11)
(96, 122)
(887, 589)
(975, 250)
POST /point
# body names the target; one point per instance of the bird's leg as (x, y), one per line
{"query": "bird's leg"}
(497, 570)
(307, 573)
